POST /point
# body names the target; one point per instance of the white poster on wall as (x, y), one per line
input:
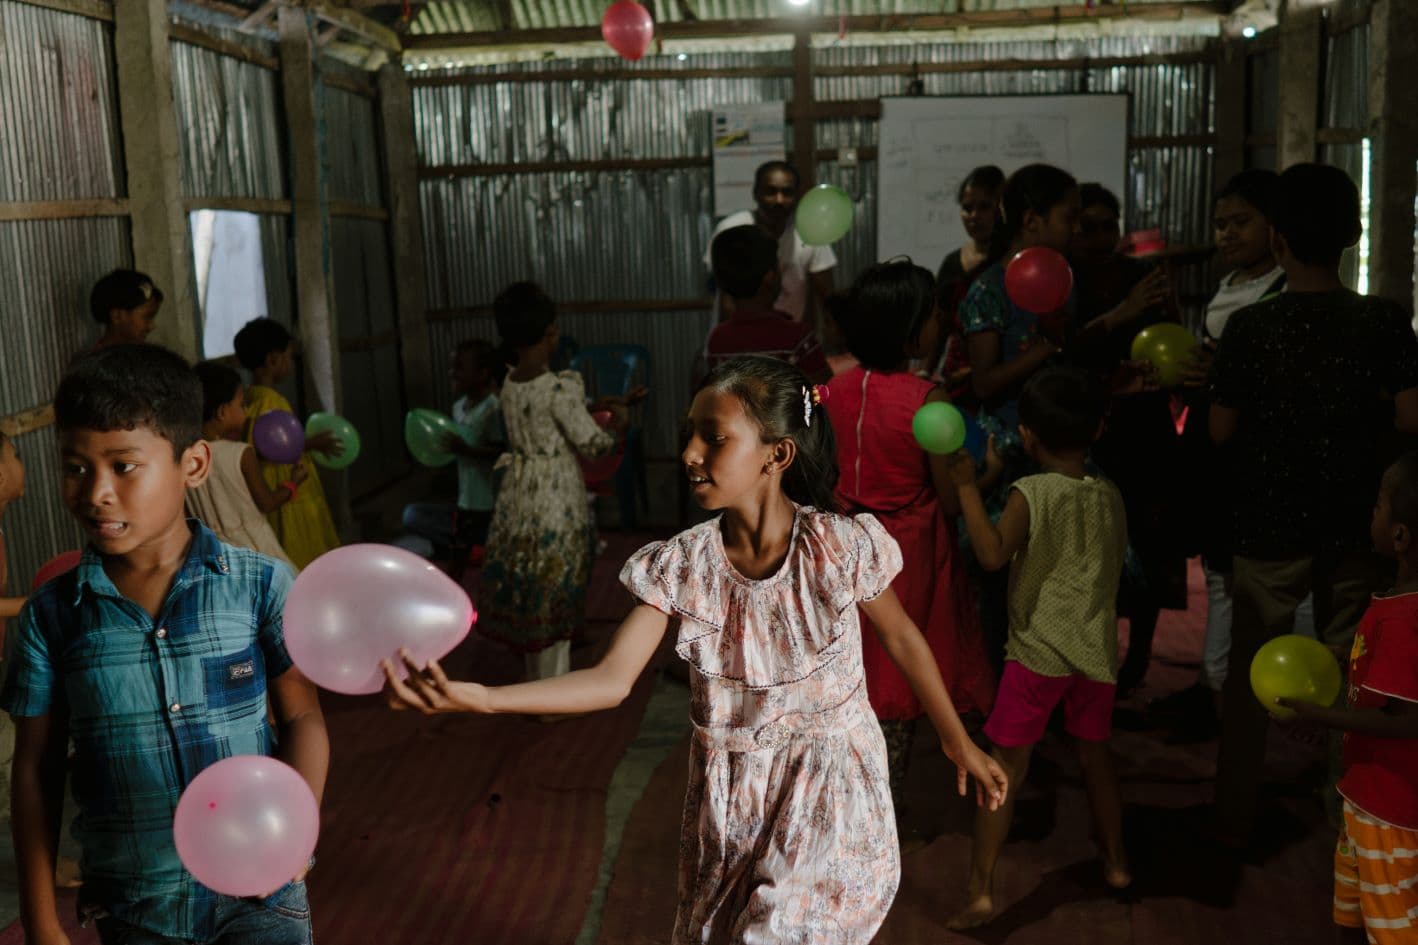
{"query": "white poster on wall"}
(745, 136)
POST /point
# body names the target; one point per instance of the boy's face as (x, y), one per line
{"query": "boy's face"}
(12, 472)
(125, 488)
(776, 196)
(1242, 233)
(133, 325)
(281, 363)
(1098, 233)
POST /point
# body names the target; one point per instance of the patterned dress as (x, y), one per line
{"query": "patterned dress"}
(541, 541)
(788, 834)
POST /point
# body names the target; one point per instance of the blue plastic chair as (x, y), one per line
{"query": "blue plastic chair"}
(610, 371)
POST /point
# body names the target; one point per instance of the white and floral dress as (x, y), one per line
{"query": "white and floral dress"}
(788, 834)
(541, 542)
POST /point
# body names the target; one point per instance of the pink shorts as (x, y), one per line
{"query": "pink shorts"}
(1026, 700)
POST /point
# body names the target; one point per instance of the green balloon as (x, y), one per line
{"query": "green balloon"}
(343, 431)
(424, 430)
(1295, 667)
(824, 215)
(939, 428)
(1167, 345)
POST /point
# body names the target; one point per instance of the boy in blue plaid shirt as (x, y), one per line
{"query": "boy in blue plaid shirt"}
(156, 656)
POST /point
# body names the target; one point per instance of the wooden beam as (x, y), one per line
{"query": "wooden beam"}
(600, 75)
(436, 172)
(93, 9)
(401, 176)
(1348, 17)
(262, 13)
(63, 209)
(1301, 46)
(153, 158)
(196, 37)
(311, 230)
(351, 210)
(352, 21)
(279, 208)
(922, 22)
(1230, 84)
(1393, 126)
(370, 342)
(355, 84)
(1340, 135)
(803, 118)
(598, 307)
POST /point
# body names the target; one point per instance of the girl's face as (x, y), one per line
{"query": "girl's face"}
(1098, 233)
(12, 472)
(726, 459)
(133, 325)
(1242, 233)
(1055, 228)
(231, 416)
(979, 211)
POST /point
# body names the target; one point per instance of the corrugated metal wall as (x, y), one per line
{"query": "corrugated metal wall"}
(1345, 107)
(56, 83)
(642, 234)
(364, 291)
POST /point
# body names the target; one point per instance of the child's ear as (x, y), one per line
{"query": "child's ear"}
(784, 452)
(1402, 539)
(196, 464)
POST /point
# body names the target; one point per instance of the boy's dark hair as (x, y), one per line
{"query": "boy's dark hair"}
(523, 313)
(219, 385)
(1402, 485)
(740, 257)
(124, 387)
(768, 167)
(1316, 210)
(986, 177)
(123, 289)
(772, 393)
(1035, 187)
(486, 357)
(1256, 187)
(258, 340)
(885, 311)
(1063, 407)
(1096, 195)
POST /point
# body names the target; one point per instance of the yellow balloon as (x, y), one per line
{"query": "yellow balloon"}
(1295, 667)
(1167, 345)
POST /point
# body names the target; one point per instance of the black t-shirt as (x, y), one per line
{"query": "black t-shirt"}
(1313, 377)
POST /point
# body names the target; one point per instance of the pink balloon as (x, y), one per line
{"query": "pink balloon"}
(1038, 280)
(628, 28)
(602, 468)
(246, 825)
(278, 437)
(61, 563)
(357, 605)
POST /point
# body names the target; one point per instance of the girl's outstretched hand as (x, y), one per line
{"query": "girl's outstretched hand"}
(430, 691)
(991, 784)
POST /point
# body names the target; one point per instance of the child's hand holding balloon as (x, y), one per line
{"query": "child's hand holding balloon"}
(430, 691)
(961, 466)
(326, 442)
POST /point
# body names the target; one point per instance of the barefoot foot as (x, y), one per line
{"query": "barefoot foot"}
(977, 912)
(1117, 875)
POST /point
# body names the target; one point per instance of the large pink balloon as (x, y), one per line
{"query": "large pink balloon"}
(61, 563)
(246, 825)
(278, 436)
(628, 28)
(356, 605)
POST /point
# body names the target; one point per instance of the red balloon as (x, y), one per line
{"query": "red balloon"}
(628, 28)
(604, 467)
(1038, 280)
(59, 564)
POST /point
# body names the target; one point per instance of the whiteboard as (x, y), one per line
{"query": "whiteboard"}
(929, 145)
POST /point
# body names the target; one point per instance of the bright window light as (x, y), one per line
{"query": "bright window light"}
(231, 275)
(1362, 282)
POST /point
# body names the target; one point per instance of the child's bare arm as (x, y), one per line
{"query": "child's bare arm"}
(602, 686)
(908, 650)
(304, 742)
(1397, 718)
(37, 789)
(266, 499)
(11, 607)
(994, 542)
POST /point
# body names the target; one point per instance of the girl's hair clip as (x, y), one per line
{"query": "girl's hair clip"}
(813, 396)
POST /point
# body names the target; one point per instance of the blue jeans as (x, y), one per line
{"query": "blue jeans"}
(283, 919)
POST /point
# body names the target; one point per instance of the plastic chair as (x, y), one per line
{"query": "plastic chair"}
(565, 353)
(612, 371)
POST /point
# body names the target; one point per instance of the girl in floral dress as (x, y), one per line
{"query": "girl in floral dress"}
(788, 834)
(541, 540)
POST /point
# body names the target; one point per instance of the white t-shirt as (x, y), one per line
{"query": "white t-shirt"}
(1233, 296)
(796, 260)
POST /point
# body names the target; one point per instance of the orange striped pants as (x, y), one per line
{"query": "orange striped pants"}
(1376, 879)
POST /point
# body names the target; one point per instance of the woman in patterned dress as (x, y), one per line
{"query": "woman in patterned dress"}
(788, 834)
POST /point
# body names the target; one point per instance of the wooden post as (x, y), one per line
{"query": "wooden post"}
(152, 155)
(1393, 131)
(1229, 157)
(1301, 40)
(319, 343)
(396, 112)
(804, 128)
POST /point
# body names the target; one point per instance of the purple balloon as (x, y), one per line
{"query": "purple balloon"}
(278, 437)
(246, 825)
(357, 605)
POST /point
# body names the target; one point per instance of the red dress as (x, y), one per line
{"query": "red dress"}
(885, 472)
